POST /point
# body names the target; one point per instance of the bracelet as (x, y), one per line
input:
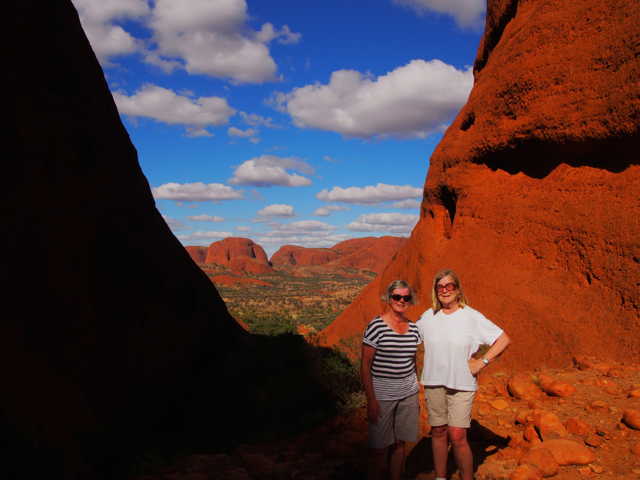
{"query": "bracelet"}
(486, 362)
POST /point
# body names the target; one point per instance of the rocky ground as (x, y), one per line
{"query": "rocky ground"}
(583, 421)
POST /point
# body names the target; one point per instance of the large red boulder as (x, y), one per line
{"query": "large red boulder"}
(532, 195)
(241, 254)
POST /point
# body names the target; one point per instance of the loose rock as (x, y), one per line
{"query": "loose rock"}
(542, 459)
(549, 426)
(567, 452)
(632, 418)
(526, 472)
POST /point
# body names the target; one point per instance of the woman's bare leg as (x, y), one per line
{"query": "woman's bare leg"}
(462, 452)
(396, 459)
(440, 448)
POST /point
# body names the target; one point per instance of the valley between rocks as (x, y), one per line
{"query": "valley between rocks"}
(576, 412)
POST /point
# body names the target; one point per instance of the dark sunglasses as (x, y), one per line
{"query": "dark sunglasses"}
(396, 297)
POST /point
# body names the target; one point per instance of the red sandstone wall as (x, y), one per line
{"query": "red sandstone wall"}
(532, 195)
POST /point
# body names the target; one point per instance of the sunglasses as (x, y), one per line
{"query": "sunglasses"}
(449, 287)
(397, 298)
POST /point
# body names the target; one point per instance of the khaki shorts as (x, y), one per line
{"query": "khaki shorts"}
(399, 421)
(446, 406)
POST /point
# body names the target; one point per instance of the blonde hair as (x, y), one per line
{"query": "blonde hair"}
(396, 284)
(435, 301)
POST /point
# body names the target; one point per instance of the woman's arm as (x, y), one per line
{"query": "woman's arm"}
(499, 346)
(373, 407)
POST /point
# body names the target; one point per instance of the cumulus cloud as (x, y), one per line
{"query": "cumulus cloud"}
(243, 229)
(212, 38)
(269, 171)
(203, 37)
(174, 225)
(270, 212)
(166, 106)
(369, 195)
(396, 223)
(467, 13)
(407, 204)
(108, 39)
(196, 192)
(200, 235)
(205, 218)
(413, 101)
(327, 209)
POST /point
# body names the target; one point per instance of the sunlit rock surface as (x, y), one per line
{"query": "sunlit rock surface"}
(532, 195)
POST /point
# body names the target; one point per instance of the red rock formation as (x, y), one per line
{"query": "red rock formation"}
(295, 255)
(85, 338)
(370, 253)
(362, 253)
(532, 195)
(241, 254)
(197, 254)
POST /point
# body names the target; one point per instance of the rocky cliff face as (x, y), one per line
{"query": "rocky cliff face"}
(240, 254)
(85, 339)
(532, 195)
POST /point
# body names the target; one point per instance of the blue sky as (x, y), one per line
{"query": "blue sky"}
(289, 122)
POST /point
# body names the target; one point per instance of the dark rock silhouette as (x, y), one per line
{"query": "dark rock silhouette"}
(94, 329)
(532, 195)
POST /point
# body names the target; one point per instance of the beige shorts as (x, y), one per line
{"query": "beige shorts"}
(446, 406)
(399, 421)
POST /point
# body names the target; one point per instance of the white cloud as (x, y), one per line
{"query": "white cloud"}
(236, 132)
(211, 37)
(310, 228)
(200, 235)
(369, 195)
(174, 225)
(243, 229)
(208, 37)
(196, 192)
(106, 38)
(249, 133)
(205, 218)
(413, 101)
(396, 223)
(256, 120)
(168, 107)
(327, 209)
(271, 244)
(467, 13)
(407, 204)
(269, 171)
(270, 212)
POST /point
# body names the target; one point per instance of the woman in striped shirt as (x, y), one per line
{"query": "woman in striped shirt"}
(389, 376)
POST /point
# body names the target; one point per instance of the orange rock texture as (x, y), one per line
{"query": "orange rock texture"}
(86, 338)
(241, 254)
(362, 253)
(532, 195)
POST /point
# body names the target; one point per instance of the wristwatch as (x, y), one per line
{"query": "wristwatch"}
(486, 362)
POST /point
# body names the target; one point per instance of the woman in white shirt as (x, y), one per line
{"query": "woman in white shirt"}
(452, 333)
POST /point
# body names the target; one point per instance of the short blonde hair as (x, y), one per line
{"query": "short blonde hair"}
(435, 301)
(396, 284)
